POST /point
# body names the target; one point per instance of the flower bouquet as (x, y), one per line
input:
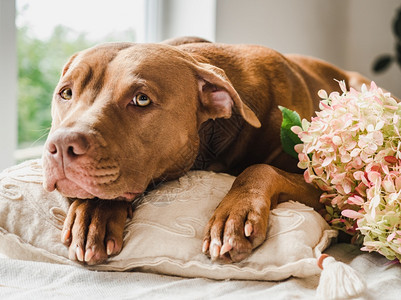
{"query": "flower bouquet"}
(352, 151)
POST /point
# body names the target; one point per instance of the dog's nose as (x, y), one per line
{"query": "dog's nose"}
(68, 144)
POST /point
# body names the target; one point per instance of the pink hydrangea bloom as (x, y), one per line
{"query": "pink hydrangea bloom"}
(352, 151)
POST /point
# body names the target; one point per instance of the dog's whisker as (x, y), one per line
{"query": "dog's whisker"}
(45, 132)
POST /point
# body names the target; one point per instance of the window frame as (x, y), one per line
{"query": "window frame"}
(8, 83)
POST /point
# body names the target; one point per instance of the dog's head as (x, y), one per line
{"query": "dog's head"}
(126, 114)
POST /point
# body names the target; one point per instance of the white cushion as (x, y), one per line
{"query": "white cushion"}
(165, 234)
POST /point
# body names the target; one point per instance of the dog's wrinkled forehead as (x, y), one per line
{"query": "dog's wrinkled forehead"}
(125, 58)
(115, 66)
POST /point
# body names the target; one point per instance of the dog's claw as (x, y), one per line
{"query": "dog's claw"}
(215, 252)
(66, 236)
(79, 253)
(205, 246)
(248, 229)
(110, 247)
(225, 248)
(89, 255)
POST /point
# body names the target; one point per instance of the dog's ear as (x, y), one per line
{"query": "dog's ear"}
(218, 96)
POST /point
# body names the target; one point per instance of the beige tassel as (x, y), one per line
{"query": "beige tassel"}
(338, 280)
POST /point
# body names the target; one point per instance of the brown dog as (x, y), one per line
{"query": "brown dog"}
(128, 115)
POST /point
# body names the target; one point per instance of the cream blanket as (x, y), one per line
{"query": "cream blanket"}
(36, 280)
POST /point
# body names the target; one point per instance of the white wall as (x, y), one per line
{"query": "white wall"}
(8, 84)
(305, 26)
(348, 33)
(186, 18)
(370, 35)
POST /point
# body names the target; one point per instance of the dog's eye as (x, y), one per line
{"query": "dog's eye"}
(66, 94)
(140, 100)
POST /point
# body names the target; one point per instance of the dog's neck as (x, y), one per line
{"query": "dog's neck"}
(216, 138)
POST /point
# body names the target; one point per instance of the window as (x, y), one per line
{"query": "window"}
(50, 31)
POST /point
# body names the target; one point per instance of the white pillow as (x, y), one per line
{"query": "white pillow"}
(165, 234)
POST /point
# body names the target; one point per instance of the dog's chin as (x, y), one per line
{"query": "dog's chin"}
(72, 190)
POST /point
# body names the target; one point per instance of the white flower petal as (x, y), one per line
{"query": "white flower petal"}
(322, 94)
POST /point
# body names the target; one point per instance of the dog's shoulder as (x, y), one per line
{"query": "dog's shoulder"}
(233, 54)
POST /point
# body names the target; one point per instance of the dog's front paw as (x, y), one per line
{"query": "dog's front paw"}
(238, 226)
(93, 229)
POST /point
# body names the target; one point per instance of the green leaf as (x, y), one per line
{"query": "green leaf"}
(288, 138)
(330, 210)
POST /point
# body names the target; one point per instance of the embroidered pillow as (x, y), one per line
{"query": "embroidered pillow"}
(165, 234)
